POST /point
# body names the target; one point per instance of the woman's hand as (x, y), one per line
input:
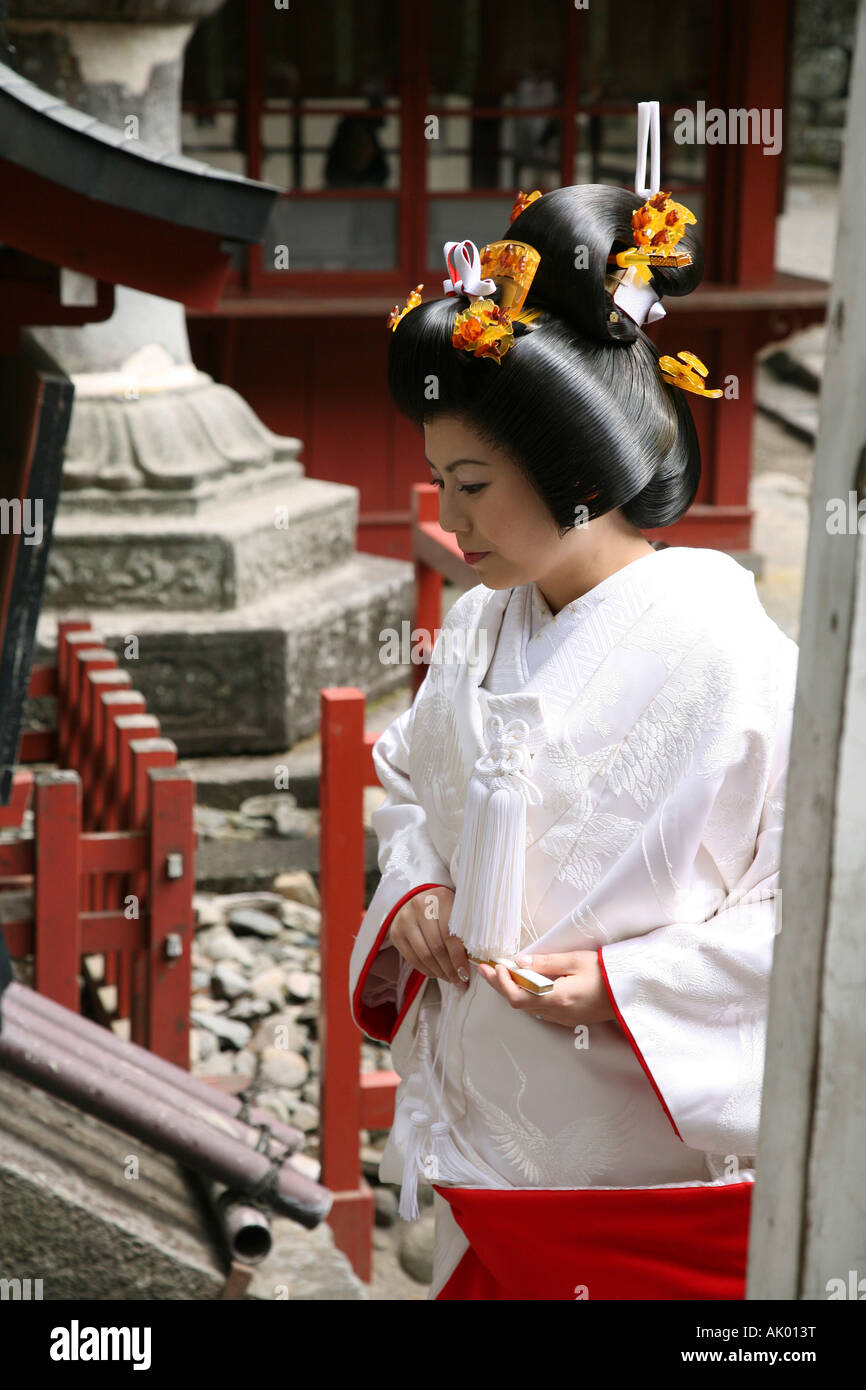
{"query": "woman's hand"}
(578, 995)
(420, 933)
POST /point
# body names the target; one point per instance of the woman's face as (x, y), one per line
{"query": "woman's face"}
(491, 507)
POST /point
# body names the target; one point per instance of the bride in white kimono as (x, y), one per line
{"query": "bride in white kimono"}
(596, 1141)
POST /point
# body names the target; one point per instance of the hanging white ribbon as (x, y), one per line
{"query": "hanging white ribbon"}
(463, 260)
(647, 123)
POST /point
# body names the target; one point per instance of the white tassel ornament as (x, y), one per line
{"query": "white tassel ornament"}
(417, 1149)
(488, 901)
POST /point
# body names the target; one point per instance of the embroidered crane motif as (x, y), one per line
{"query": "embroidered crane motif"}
(578, 1154)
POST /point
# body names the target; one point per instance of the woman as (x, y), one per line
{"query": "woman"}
(591, 774)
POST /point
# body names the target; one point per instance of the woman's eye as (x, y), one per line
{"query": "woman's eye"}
(471, 488)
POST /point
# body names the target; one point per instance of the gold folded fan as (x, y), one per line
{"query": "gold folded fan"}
(527, 979)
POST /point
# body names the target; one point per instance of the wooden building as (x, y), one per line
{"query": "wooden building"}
(340, 112)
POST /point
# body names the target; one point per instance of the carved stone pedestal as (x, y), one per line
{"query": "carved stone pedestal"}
(226, 579)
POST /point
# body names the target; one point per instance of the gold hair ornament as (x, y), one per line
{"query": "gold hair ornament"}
(687, 377)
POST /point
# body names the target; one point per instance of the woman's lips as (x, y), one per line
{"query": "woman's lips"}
(471, 556)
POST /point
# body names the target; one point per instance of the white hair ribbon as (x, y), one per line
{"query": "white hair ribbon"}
(463, 260)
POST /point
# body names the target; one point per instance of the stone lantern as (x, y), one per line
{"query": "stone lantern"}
(182, 516)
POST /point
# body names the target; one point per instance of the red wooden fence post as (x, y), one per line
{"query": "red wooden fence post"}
(117, 703)
(104, 683)
(428, 581)
(101, 657)
(90, 660)
(341, 860)
(71, 632)
(144, 753)
(99, 683)
(172, 880)
(126, 728)
(57, 887)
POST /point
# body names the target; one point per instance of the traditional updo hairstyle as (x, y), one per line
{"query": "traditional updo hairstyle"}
(578, 401)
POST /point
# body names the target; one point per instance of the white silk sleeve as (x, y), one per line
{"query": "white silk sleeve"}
(692, 997)
(382, 985)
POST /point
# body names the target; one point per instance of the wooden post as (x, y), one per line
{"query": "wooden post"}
(89, 661)
(116, 703)
(104, 665)
(341, 857)
(98, 683)
(144, 754)
(102, 683)
(128, 726)
(92, 660)
(57, 887)
(172, 882)
(428, 581)
(83, 658)
(71, 634)
(807, 1214)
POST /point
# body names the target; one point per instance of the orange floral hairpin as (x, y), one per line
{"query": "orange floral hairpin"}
(686, 377)
(411, 303)
(485, 328)
(657, 227)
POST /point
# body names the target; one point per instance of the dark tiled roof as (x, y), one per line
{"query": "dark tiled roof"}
(76, 151)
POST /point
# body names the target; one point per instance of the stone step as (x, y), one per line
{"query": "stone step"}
(248, 680)
(245, 540)
(225, 782)
(790, 405)
(800, 359)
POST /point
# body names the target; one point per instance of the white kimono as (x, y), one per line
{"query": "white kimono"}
(659, 708)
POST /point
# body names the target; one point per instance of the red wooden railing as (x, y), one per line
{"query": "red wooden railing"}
(350, 1100)
(110, 869)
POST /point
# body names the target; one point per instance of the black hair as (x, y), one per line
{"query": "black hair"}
(578, 402)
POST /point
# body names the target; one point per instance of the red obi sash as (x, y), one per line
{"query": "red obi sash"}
(616, 1243)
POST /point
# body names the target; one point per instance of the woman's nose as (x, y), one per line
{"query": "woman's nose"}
(449, 518)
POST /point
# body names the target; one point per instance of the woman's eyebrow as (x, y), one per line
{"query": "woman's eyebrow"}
(451, 466)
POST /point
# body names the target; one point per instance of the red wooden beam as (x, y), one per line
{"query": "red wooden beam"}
(17, 858)
(112, 243)
(377, 1098)
(43, 681)
(113, 851)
